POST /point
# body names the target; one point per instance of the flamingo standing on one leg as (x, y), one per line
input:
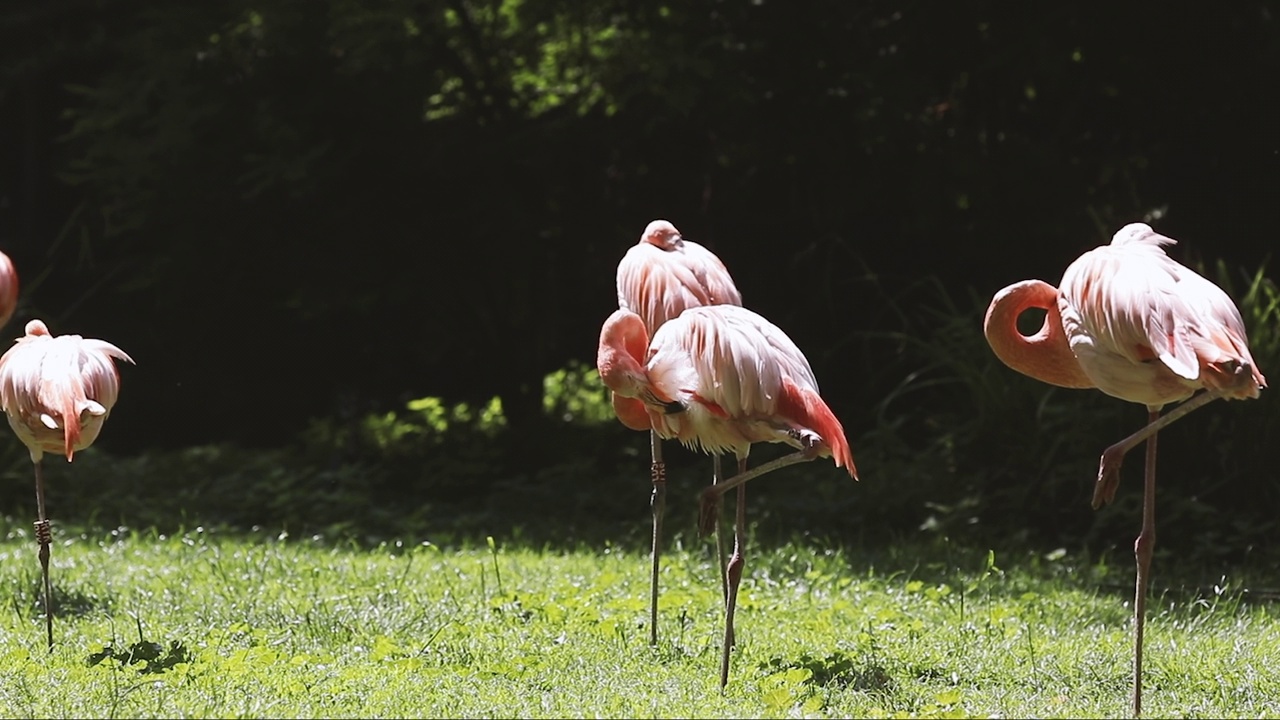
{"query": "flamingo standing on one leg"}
(1133, 323)
(659, 278)
(57, 392)
(720, 378)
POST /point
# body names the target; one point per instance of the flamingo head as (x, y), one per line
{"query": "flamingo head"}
(37, 327)
(662, 235)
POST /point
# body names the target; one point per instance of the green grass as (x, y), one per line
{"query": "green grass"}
(207, 624)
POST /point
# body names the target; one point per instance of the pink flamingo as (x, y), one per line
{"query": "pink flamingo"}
(57, 392)
(719, 378)
(8, 289)
(1130, 321)
(658, 278)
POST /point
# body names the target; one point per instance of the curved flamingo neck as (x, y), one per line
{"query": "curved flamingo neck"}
(1046, 355)
(620, 357)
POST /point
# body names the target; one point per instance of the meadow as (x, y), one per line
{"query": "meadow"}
(364, 466)
(205, 624)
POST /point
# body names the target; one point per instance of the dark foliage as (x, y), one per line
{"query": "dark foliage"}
(296, 215)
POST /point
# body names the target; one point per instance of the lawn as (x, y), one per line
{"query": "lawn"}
(212, 624)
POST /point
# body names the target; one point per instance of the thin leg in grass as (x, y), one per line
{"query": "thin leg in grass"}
(1109, 466)
(736, 563)
(708, 516)
(44, 536)
(658, 472)
(1142, 549)
(724, 579)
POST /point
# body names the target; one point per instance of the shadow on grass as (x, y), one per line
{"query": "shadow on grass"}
(28, 597)
(146, 656)
(837, 670)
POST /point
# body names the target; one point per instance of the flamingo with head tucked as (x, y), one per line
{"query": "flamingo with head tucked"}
(1130, 321)
(57, 392)
(719, 378)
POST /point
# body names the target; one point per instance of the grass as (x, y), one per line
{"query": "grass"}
(212, 624)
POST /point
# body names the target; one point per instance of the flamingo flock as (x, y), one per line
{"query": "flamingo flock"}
(686, 362)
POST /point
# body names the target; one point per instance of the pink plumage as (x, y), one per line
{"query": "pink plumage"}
(659, 278)
(719, 378)
(1150, 330)
(58, 391)
(1132, 322)
(8, 289)
(663, 275)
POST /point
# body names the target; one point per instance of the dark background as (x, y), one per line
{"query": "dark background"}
(291, 209)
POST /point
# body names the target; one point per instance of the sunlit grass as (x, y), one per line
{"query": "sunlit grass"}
(265, 627)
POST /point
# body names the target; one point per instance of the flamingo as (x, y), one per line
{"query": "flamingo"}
(658, 278)
(1130, 321)
(8, 289)
(57, 392)
(719, 378)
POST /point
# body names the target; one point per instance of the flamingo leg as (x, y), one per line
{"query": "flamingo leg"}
(658, 472)
(709, 507)
(734, 571)
(708, 515)
(44, 536)
(1142, 549)
(724, 578)
(1109, 465)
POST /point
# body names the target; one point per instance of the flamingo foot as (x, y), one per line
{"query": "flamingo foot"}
(1104, 491)
(807, 440)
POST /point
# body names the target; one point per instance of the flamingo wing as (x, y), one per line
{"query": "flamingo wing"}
(1129, 304)
(712, 275)
(101, 379)
(718, 358)
(20, 376)
(658, 284)
(1123, 300)
(742, 381)
(57, 391)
